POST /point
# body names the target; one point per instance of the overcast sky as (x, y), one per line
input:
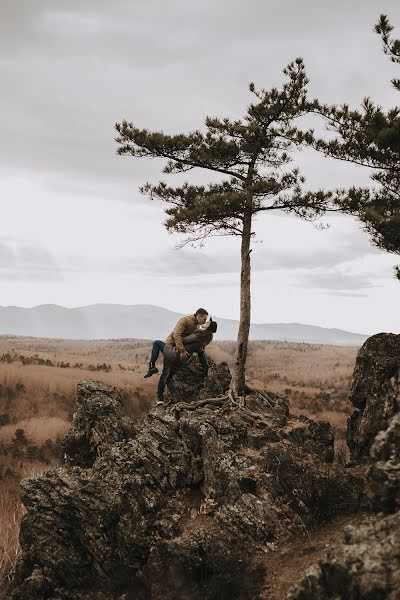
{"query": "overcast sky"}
(75, 230)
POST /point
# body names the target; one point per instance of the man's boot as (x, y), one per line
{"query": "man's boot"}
(152, 370)
(160, 401)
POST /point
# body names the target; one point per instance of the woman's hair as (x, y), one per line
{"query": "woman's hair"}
(201, 311)
(212, 326)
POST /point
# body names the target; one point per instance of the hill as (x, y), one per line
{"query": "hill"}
(111, 321)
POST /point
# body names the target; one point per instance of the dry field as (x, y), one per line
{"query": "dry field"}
(38, 380)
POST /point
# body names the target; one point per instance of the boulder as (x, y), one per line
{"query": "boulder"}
(192, 385)
(365, 567)
(375, 392)
(98, 422)
(384, 473)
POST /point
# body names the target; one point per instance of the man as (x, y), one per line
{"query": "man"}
(184, 327)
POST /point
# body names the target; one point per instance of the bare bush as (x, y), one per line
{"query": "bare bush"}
(11, 512)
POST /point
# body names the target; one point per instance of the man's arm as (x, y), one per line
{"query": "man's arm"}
(178, 332)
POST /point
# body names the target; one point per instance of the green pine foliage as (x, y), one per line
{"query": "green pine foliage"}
(370, 136)
(251, 155)
(391, 46)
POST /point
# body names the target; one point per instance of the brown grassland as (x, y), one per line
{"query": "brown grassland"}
(38, 380)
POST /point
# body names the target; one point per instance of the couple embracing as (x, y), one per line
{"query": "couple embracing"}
(191, 335)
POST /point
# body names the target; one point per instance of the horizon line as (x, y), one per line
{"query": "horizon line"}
(179, 313)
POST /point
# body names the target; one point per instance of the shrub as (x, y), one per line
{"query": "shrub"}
(11, 512)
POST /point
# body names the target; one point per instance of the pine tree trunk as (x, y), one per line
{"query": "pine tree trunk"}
(239, 370)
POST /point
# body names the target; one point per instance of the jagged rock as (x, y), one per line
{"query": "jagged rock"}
(203, 565)
(191, 384)
(384, 474)
(375, 392)
(99, 420)
(315, 436)
(178, 507)
(365, 567)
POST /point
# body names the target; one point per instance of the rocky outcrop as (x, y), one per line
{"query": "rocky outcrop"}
(375, 392)
(384, 473)
(365, 567)
(191, 384)
(98, 422)
(182, 506)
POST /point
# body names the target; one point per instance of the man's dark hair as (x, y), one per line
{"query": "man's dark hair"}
(201, 311)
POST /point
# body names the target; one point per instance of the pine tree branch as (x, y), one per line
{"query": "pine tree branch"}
(194, 164)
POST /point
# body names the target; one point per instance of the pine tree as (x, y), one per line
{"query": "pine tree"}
(252, 156)
(371, 137)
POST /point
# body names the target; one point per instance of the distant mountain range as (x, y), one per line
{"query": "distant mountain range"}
(110, 321)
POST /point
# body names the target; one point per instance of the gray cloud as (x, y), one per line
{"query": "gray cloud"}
(196, 263)
(219, 284)
(335, 281)
(346, 294)
(29, 262)
(71, 69)
(7, 256)
(343, 249)
(172, 263)
(304, 258)
(32, 261)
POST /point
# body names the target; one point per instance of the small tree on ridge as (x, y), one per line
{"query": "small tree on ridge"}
(251, 155)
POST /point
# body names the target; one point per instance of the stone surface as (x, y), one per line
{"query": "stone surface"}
(98, 422)
(191, 384)
(384, 474)
(375, 392)
(365, 567)
(178, 507)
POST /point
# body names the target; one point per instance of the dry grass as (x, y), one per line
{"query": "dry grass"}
(315, 378)
(11, 512)
(40, 399)
(37, 429)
